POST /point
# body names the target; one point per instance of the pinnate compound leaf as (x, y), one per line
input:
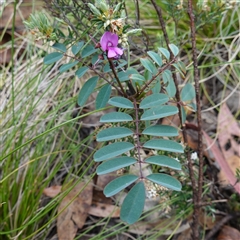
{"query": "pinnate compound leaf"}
(59, 46)
(113, 133)
(161, 131)
(81, 71)
(188, 93)
(159, 112)
(133, 204)
(153, 100)
(120, 102)
(148, 65)
(165, 145)
(164, 161)
(115, 164)
(119, 184)
(174, 49)
(88, 50)
(165, 180)
(112, 150)
(164, 52)
(86, 90)
(52, 57)
(116, 117)
(77, 47)
(67, 66)
(103, 96)
(155, 57)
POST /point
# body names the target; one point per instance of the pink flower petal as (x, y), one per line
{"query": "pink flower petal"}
(114, 39)
(107, 38)
(119, 51)
(104, 41)
(111, 53)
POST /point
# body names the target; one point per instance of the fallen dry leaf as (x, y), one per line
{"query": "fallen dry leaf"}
(227, 129)
(222, 162)
(234, 164)
(228, 233)
(52, 191)
(103, 180)
(208, 222)
(73, 211)
(104, 210)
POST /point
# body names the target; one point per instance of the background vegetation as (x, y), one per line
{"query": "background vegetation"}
(48, 140)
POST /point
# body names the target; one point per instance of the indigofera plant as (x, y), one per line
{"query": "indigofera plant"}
(144, 95)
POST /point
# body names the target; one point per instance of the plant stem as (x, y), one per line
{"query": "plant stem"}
(195, 224)
(199, 118)
(116, 76)
(137, 140)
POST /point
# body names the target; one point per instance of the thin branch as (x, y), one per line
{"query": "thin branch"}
(116, 76)
(198, 100)
(183, 127)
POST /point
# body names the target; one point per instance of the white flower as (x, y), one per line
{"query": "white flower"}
(194, 156)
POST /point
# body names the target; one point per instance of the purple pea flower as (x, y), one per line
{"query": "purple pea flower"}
(109, 42)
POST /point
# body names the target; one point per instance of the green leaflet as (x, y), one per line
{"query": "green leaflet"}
(67, 66)
(52, 57)
(165, 180)
(164, 161)
(81, 71)
(174, 49)
(165, 145)
(184, 115)
(137, 78)
(161, 131)
(103, 96)
(120, 102)
(164, 52)
(115, 164)
(59, 46)
(155, 57)
(112, 150)
(159, 112)
(153, 100)
(77, 47)
(148, 65)
(119, 184)
(86, 90)
(88, 50)
(113, 133)
(133, 204)
(116, 117)
(188, 93)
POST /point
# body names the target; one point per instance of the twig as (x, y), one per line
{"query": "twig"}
(199, 118)
(116, 76)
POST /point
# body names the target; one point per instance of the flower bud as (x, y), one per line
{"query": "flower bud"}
(94, 9)
(98, 45)
(101, 57)
(134, 31)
